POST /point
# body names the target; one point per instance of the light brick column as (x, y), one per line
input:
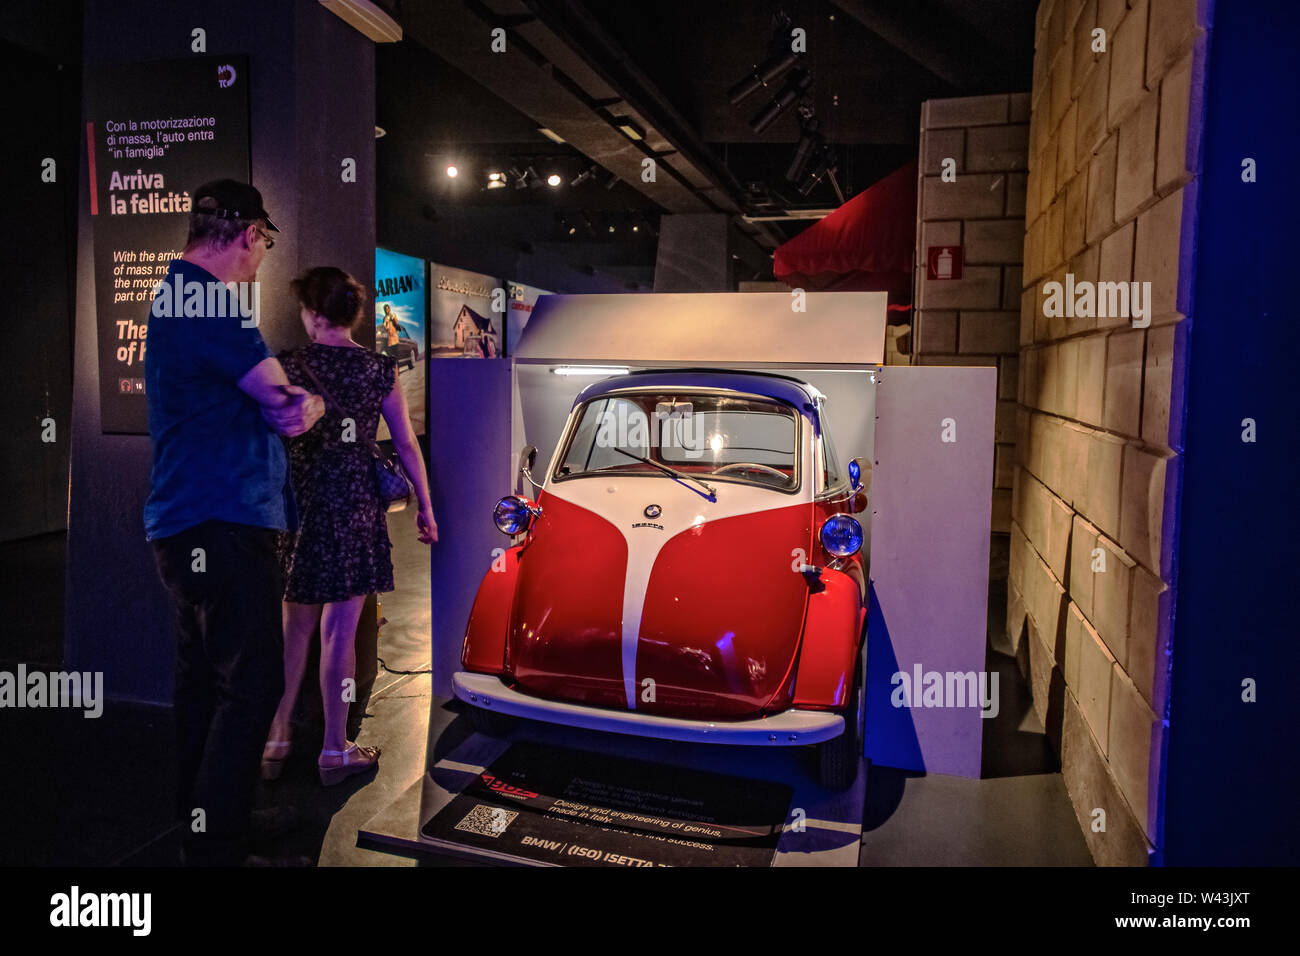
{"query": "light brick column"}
(974, 320)
(1110, 198)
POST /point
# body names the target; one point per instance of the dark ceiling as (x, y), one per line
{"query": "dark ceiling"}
(585, 67)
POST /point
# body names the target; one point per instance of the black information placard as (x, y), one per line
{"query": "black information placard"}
(562, 807)
(155, 131)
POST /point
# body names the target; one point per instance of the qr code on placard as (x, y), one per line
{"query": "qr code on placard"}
(487, 821)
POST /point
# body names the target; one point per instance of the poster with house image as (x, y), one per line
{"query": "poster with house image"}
(462, 322)
(400, 310)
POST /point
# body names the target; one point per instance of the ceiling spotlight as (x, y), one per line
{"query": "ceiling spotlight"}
(825, 164)
(496, 181)
(809, 140)
(380, 132)
(553, 180)
(452, 171)
(796, 84)
(583, 176)
(532, 178)
(636, 228)
(612, 181)
(572, 230)
(521, 179)
(763, 74)
(611, 228)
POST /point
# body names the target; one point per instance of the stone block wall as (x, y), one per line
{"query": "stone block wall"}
(974, 320)
(1113, 148)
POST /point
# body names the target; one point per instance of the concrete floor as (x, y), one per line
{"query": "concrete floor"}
(97, 792)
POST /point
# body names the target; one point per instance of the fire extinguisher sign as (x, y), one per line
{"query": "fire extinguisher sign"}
(943, 262)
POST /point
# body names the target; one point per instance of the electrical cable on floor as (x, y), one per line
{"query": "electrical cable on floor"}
(391, 671)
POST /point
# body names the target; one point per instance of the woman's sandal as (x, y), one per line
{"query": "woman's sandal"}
(274, 754)
(356, 759)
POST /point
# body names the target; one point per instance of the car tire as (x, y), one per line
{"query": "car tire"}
(838, 759)
(490, 722)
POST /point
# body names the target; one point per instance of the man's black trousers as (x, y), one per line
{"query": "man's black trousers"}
(226, 584)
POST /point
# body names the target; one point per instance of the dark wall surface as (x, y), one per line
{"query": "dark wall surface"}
(42, 90)
(312, 104)
(1231, 779)
(493, 242)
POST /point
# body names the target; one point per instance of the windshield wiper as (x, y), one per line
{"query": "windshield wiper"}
(678, 475)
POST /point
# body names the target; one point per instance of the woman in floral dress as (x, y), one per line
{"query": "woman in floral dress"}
(341, 551)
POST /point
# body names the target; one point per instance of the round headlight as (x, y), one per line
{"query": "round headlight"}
(842, 535)
(512, 515)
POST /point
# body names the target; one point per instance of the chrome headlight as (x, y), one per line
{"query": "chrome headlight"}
(513, 515)
(842, 535)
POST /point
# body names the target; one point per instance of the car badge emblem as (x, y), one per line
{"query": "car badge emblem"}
(653, 511)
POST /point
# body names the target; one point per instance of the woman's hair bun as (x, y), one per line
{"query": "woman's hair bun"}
(332, 293)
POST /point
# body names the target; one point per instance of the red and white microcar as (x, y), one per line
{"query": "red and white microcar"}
(690, 569)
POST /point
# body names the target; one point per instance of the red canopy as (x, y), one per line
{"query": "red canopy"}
(864, 246)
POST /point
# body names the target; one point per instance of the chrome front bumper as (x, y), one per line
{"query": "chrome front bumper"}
(790, 728)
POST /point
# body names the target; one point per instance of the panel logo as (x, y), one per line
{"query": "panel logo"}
(498, 785)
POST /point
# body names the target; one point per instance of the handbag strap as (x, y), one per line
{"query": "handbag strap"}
(371, 444)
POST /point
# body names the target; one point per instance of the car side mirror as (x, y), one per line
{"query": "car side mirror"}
(860, 474)
(527, 458)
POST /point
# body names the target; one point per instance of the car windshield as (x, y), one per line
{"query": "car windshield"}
(708, 436)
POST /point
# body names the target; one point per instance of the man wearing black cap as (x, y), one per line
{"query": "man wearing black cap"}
(218, 402)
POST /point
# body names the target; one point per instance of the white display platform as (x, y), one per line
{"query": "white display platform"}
(823, 829)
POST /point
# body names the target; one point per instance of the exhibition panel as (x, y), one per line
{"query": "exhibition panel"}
(929, 570)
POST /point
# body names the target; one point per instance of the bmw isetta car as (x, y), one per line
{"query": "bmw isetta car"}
(690, 569)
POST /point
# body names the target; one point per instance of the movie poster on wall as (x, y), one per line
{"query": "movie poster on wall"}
(520, 300)
(401, 328)
(154, 133)
(462, 321)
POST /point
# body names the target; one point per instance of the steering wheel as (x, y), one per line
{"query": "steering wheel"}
(752, 466)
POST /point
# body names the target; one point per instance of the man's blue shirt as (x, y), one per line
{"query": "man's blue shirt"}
(214, 457)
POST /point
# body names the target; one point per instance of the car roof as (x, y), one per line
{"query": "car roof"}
(770, 385)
